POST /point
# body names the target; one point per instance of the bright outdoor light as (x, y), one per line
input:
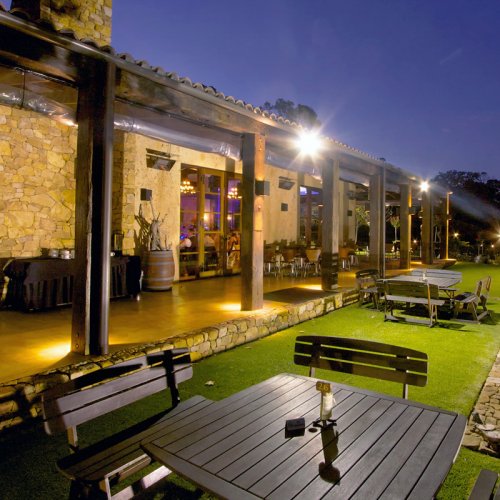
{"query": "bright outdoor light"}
(309, 143)
(424, 186)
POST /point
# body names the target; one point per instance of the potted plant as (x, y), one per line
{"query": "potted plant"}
(159, 268)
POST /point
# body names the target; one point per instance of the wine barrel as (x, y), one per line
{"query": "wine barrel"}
(159, 270)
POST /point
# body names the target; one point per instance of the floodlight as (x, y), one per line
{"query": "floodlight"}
(309, 142)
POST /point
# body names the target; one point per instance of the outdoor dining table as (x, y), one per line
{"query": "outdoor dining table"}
(41, 282)
(380, 446)
(446, 284)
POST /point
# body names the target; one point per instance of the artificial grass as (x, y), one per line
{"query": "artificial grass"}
(460, 357)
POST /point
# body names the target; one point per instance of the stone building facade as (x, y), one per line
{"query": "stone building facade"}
(86, 18)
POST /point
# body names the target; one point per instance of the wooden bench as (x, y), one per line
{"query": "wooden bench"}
(362, 357)
(408, 293)
(366, 280)
(471, 302)
(484, 486)
(93, 470)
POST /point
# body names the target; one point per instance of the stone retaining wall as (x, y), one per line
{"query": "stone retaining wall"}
(20, 399)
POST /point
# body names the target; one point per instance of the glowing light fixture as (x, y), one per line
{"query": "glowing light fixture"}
(424, 186)
(187, 187)
(309, 143)
(455, 235)
(233, 193)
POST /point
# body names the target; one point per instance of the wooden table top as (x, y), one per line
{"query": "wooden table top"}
(383, 446)
(441, 282)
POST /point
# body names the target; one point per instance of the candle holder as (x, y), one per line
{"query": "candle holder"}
(326, 407)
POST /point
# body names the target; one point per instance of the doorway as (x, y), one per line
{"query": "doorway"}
(210, 223)
(311, 215)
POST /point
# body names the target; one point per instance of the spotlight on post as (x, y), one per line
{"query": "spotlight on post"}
(309, 143)
(424, 186)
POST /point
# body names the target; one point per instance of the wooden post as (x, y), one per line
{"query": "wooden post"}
(427, 226)
(447, 227)
(331, 225)
(93, 211)
(405, 226)
(252, 234)
(377, 221)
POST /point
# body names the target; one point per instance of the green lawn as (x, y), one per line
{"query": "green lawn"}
(460, 357)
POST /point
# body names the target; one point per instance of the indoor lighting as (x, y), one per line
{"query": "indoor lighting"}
(233, 193)
(309, 143)
(187, 187)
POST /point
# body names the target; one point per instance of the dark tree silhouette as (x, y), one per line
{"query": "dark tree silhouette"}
(300, 113)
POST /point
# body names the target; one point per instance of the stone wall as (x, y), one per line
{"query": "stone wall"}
(20, 399)
(87, 18)
(37, 199)
(280, 224)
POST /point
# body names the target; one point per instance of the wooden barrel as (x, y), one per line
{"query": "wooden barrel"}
(159, 270)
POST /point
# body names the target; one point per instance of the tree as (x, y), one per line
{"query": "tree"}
(475, 203)
(362, 219)
(300, 113)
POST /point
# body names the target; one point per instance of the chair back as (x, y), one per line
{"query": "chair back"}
(483, 290)
(344, 252)
(289, 254)
(313, 254)
(362, 357)
(367, 277)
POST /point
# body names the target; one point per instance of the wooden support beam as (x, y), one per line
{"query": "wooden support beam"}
(377, 221)
(252, 234)
(331, 225)
(405, 226)
(427, 228)
(93, 211)
(446, 229)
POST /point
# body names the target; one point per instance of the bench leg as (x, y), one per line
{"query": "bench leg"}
(79, 491)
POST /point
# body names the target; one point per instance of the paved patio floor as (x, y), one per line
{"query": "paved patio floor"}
(36, 341)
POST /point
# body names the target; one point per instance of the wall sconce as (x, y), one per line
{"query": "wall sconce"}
(285, 183)
(146, 194)
(159, 160)
(262, 188)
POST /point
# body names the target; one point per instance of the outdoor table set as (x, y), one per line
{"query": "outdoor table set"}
(444, 283)
(276, 439)
(43, 282)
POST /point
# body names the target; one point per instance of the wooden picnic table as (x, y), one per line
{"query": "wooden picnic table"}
(444, 283)
(381, 446)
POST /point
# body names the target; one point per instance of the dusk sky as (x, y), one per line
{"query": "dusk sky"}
(415, 82)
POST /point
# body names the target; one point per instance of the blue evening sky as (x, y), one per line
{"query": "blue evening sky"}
(414, 81)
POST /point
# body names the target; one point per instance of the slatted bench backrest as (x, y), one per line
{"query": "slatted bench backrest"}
(77, 401)
(411, 289)
(483, 289)
(362, 357)
(367, 277)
